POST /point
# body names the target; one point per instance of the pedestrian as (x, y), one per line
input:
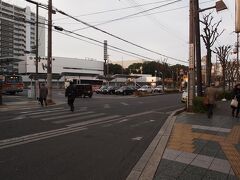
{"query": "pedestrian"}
(211, 94)
(71, 94)
(236, 93)
(43, 94)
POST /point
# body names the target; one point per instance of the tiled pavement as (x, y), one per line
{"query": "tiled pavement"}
(202, 148)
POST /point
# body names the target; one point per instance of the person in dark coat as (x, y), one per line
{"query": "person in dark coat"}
(236, 93)
(71, 94)
(43, 92)
(211, 93)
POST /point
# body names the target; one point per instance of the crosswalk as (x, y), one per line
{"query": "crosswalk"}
(62, 115)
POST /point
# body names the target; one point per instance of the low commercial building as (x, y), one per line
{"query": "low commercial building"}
(63, 69)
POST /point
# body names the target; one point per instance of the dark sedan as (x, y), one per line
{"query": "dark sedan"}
(125, 90)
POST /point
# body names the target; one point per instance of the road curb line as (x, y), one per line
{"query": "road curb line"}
(147, 165)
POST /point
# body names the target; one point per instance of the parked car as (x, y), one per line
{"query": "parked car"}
(158, 89)
(146, 88)
(125, 90)
(110, 90)
(184, 96)
(84, 90)
(100, 90)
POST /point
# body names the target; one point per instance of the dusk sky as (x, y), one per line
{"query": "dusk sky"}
(163, 30)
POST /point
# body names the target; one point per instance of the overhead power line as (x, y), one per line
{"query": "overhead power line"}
(134, 14)
(110, 34)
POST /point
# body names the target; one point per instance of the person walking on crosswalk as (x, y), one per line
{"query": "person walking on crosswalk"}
(71, 93)
(43, 94)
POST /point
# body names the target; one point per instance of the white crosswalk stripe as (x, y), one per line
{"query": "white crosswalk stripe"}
(66, 116)
(40, 111)
(79, 118)
(55, 113)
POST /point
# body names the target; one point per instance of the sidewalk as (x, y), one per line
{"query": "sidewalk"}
(202, 148)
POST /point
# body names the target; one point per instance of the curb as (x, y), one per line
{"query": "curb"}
(147, 165)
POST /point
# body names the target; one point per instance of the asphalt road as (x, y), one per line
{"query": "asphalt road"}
(102, 139)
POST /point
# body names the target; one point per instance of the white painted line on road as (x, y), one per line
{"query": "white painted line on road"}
(53, 113)
(137, 139)
(139, 114)
(106, 106)
(78, 118)
(93, 121)
(37, 137)
(40, 110)
(123, 103)
(124, 120)
(66, 116)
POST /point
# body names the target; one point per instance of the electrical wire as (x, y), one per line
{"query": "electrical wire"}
(131, 15)
(113, 10)
(110, 34)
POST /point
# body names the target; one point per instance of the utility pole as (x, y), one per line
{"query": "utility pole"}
(237, 30)
(198, 48)
(49, 64)
(36, 77)
(1, 84)
(191, 75)
(238, 56)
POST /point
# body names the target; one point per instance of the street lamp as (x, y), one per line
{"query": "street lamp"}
(220, 5)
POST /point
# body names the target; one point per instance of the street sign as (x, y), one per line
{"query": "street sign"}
(191, 56)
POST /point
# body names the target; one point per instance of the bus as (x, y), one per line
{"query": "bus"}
(12, 84)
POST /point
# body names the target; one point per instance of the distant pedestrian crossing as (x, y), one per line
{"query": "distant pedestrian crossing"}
(62, 115)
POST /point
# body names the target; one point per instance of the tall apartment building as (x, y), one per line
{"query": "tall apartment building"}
(17, 35)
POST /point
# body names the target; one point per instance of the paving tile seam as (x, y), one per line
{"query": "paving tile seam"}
(212, 166)
(141, 164)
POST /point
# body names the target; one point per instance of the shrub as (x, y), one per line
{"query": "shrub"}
(198, 105)
(226, 94)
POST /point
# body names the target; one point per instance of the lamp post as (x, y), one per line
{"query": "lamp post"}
(219, 6)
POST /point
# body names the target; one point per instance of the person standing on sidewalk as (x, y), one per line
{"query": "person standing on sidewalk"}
(211, 93)
(43, 92)
(236, 93)
(71, 94)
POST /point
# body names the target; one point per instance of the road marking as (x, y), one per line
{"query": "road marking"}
(140, 102)
(66, 116)
(106, 106)
(78, 118)
(40, 110)
(123, 103)
(124, 120)
(137, 138)
(139, 114)
(65, 111)
(37, 137)
(93, 121)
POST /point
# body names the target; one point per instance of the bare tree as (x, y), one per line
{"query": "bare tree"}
(209, 36)
(231, 72)
(223, 55)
